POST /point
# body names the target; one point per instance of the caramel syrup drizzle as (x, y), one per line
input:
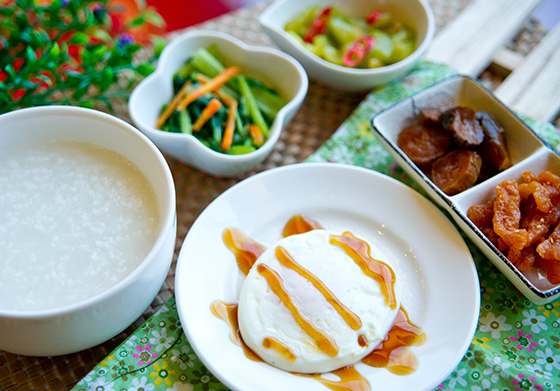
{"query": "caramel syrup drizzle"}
(359, 251)
(324, 342)
(283, 350)
(394, 352)
(228, 313)
(246, 250)
(362, 341)
(350, 380)
(286, 259)
(299, 225)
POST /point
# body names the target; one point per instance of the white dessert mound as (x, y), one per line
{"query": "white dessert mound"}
(262, 314)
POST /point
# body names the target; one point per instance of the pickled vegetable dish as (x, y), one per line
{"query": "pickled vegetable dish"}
(224, 109)
(356, 42)
(456, 148)
(523, 222)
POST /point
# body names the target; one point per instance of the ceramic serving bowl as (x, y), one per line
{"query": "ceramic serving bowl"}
(416, 14)
(269, 66)
(92, 321)
(527, 151)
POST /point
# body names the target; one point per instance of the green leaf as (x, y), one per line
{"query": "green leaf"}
(106, 79)
(25, 36)
(154, 18)
(30, 56)
(102, 35)
(82, 89)
(98, 52)
(159, 44)
(7, 11)
(10, 71)
(86, 103)
(54, 52)
(138, 21)
(145, 69)
(79, 38)
(132, 48)
(28, 85)
(86, 56)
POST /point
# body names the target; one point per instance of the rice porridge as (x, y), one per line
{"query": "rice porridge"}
(75, 219)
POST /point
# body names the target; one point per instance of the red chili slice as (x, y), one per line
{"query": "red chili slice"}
(374, 16)
(319, 24)
(358, 51)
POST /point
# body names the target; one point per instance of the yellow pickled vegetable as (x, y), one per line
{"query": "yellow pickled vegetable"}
(371, 41)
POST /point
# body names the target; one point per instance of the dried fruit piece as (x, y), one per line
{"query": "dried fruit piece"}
(465, 129)
(493, 146)
(481, 215)
(423, 143)
(522, 259)
(528, 177)
(550, 248)
(521, 223)
(541, 194)
(456, 171)
(536, 222)
(550, 179)
(507, 215)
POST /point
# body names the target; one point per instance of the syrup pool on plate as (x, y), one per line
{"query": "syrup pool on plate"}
(342, 345)
(75, 219)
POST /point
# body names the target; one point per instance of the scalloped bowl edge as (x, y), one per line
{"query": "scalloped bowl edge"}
(271, 66)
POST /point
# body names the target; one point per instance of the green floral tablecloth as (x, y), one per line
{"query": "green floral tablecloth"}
(516, 345)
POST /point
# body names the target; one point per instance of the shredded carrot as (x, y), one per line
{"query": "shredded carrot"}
(256, 135)
(230, 127)
(212, 85)
(228, 100)
(174, 102)
(208, 112)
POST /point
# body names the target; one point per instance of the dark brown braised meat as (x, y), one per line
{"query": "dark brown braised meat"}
(424, 143)
(465, 129)
(493, 147)
(480, 137)
(456, 171)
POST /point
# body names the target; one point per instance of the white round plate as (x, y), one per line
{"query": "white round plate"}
(441, 288)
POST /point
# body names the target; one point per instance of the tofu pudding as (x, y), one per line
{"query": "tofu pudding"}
(318, 301)
(75, 219)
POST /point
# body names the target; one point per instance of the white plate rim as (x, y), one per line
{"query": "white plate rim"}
(321, 169)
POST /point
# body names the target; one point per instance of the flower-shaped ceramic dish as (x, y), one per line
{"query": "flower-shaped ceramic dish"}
(270, 66)
(526, 150)
(416, 14)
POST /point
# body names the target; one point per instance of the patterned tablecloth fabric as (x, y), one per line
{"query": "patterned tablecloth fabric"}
(516, 345)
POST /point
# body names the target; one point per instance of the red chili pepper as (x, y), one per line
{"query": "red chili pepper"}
(319, 24)
(374, 16)
(358, 51)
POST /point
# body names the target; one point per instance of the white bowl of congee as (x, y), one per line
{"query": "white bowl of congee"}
(87, 228)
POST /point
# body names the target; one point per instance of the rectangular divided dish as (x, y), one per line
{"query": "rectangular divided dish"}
(526, 150)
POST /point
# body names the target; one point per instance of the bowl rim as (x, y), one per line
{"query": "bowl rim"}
(167, 220)
(279, 120)
(266, 20)
(541, 294)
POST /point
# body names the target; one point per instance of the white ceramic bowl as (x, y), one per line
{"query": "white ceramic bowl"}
(526, 150)
(416, 14)
(269, 66)
(85, 324)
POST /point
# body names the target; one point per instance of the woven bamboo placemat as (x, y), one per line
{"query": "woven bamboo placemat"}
(322, 112)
